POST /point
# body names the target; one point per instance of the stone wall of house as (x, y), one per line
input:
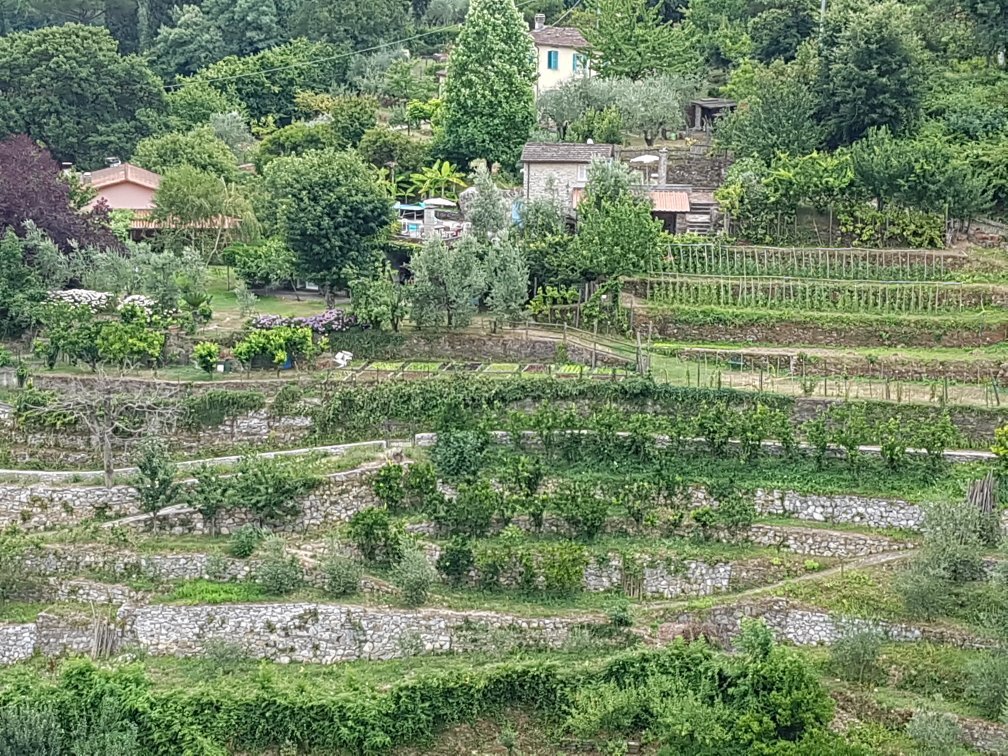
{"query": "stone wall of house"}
(44, 506)
(543, 179)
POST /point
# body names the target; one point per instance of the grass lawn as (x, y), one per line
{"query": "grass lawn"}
(227, 315)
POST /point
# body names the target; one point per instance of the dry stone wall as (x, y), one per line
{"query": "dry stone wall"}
(802, 626)
(17, 643)
(46, 506)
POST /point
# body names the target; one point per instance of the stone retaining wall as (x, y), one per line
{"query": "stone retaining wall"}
(45, 506)
(17, 643)
(798, 625)
(302, 632)
(825, 543)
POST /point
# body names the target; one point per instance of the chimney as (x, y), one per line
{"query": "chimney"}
(67, 167)
(86, 177)
(540, 21)
(112, 162)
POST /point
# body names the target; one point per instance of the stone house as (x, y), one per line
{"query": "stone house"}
(559, 54)
(560, 167)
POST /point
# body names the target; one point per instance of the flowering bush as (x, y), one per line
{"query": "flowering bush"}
(93, 300)
(146, 304)
(330, 321)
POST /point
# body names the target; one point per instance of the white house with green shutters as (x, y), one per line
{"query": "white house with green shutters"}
(559, 54)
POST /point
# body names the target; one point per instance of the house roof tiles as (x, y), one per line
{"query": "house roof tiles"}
(123, 173)
(565, 152)
(559, 36)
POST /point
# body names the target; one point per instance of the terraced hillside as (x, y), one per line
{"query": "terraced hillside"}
(517, 564)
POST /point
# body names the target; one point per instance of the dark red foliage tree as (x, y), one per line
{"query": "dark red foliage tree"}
(32, 189)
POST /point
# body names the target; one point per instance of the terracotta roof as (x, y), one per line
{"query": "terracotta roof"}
(560, 36)
(565, 152)
(119, 174)
(669, 201)
(662, 200)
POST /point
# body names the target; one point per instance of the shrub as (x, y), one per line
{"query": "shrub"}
(955, 535)
(535, 508)
(924, 596)
(458, 454)
(818, 436)
(414, 576)
(211, 494)
(893, 442)
(855, 656)
(638, 499)
(155, 480)
(562, 566)
(342, 575)
(471, 512)
(850, 429)
(620, 615)
(988, 684)
(206, 355)
(735, 512)
(244, 541)
(270, 488)
(581, 508)
(388, 486)
(936, 732)
(456, 559)
(420, 488)
(715, 423)
(279, 574)
(523, 475)
(372, 533)
(934, 436)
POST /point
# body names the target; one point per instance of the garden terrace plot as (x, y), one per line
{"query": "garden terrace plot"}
(869, 264)
(821, 294)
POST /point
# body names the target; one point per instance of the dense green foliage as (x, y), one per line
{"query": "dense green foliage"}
(764, 700)
(488, 98)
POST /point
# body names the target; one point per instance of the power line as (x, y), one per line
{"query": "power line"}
(331, 58)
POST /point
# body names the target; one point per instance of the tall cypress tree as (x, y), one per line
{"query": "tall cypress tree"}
(489, 102)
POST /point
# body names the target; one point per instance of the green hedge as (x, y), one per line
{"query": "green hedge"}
(759, 701)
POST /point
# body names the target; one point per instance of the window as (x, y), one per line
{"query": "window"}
(582, 172)
(579, 62)
(553, 60)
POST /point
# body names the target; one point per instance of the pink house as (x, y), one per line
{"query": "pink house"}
(126, 187)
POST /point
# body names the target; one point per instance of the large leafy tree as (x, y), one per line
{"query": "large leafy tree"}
(200, 212)
(32, 189)
(69, 87)
(655, 104)
(248, 26)
(199, 148)
(991, 21)
(778, 116)
(489, 103)
(356, 23)
(331, 210)
(266, 83)
(629, 39)
(508, 280)
(870, 70)
(617, 235)
(21, 289)
(448, 281)
(192, 41)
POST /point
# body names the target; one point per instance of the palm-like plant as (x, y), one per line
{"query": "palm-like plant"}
(439, 180)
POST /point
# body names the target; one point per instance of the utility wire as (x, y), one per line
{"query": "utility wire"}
(341, 56)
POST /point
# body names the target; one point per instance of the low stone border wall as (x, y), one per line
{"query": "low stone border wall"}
(45, 506)
(301, 632)
(653, 578)
(825, 543)
(793, 623)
